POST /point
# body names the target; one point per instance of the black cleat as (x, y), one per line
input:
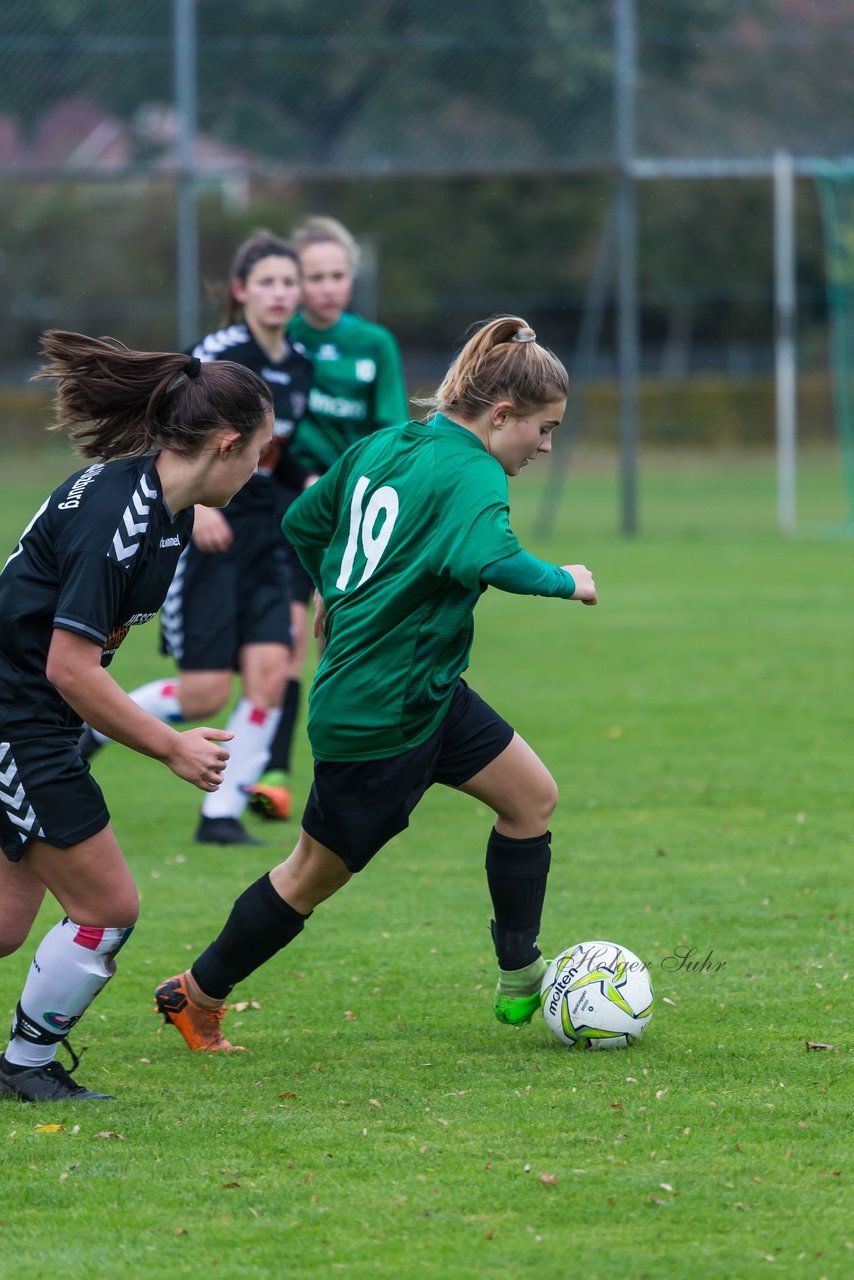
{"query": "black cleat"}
(51, 1083)
(224, 831)
(88, 744)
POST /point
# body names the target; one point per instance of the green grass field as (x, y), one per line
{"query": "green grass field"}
(382, 1124)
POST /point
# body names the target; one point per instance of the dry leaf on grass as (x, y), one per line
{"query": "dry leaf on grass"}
(818, 1044)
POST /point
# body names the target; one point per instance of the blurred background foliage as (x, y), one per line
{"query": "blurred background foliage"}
(470, 148)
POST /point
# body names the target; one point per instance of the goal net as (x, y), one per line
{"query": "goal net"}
(836, 196)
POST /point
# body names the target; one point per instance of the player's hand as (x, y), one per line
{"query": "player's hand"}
(585, 587)
(198, 756)
(211, 530)
(319, 617)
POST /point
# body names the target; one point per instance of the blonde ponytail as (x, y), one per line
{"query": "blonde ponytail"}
(501, 360)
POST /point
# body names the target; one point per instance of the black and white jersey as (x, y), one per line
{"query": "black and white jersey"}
(96, 558)
(289, 381)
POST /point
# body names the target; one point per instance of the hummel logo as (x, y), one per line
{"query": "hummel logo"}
(170, 542)
(17, 806)
(134, 522)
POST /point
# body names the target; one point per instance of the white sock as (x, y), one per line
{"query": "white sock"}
(72, 964)
(160, 698)
(249, 750)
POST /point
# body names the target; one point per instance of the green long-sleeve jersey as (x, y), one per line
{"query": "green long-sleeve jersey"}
(397, 535)
(358, 387)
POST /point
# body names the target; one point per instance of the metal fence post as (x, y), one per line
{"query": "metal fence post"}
(186, 212)
(625, 59)
(784, 338)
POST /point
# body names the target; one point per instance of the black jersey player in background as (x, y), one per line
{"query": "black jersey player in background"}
(228, 608)
(358, 388)
(165, 432)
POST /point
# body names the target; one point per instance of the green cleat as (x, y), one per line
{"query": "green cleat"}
(517, 996)
(516, 1010)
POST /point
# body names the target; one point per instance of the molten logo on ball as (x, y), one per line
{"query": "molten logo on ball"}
(597, 995)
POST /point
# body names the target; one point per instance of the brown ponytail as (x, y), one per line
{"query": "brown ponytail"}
(501, 360)
(117, 403)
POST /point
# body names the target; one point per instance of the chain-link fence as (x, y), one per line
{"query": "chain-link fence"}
(475, 148)
(295, 88)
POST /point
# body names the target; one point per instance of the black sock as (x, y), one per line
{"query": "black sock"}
(517, 873)
(280, 749)
(260, 924)
(11, 1067)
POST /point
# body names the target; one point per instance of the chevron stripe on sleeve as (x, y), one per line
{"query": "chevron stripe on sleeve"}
(128, 536)
(215, 344)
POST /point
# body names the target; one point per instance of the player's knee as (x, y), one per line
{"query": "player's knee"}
(549, 796)
(539, 803)
(272, 688)
(266, 675)
(127, 911)
(204, 701)
(121, 912)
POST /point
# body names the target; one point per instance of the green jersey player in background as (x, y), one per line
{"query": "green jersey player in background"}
(358, 372)
(402, 537)
(358, 387)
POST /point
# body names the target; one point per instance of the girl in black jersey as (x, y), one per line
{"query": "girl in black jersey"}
(228, 608)
(165, 432)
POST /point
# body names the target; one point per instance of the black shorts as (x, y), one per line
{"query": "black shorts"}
(220, 601)
(302, 586)
(47, 793)
(355, 807)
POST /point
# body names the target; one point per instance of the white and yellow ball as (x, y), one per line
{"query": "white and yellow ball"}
(597, 995)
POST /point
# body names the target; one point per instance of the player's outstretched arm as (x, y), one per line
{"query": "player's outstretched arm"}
(74, 669)
(523, 574)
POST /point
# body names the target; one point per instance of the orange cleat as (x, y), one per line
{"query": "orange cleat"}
(199, 1027)
(270, 801)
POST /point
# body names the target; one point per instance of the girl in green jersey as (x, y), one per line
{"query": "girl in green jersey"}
(401, 538)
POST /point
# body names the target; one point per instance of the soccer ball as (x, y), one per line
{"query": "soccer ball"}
(596, 995)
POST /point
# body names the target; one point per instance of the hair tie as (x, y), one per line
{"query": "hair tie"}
(525, 335)
(193, 367)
